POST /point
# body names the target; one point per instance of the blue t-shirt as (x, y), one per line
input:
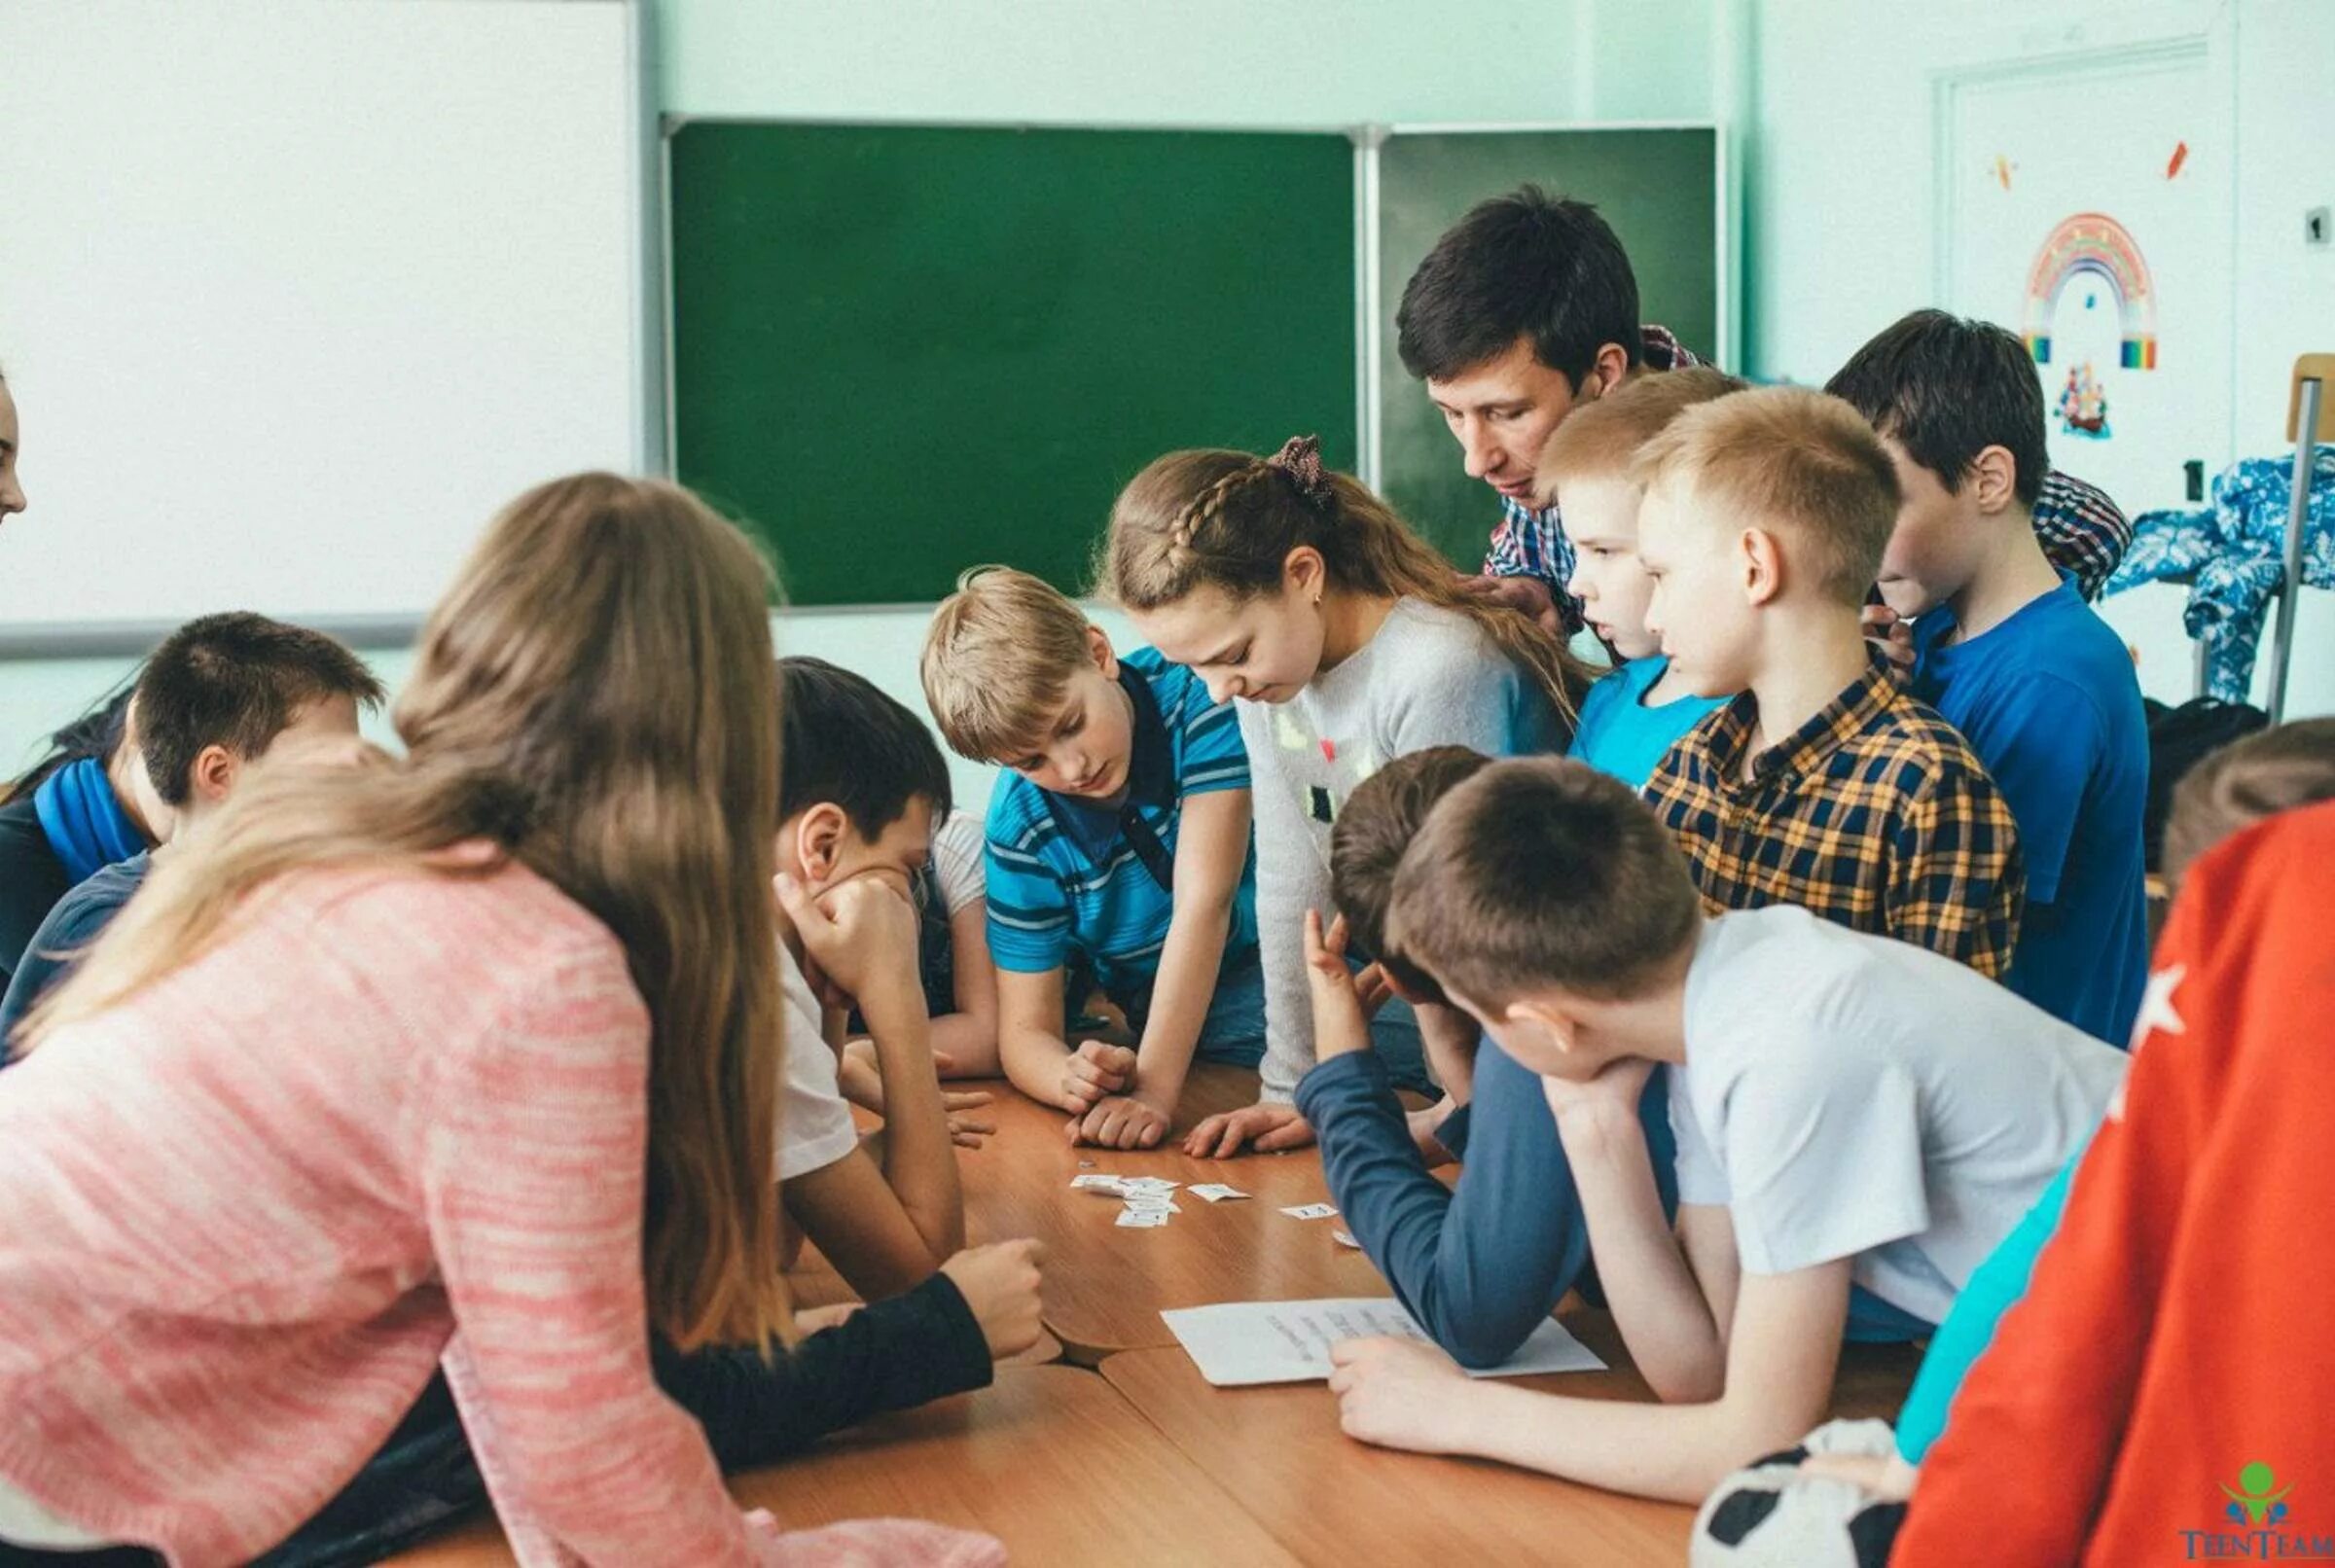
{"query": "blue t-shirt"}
(1064, 876)
(2049, 701)
(1619, 734)
(55, 948)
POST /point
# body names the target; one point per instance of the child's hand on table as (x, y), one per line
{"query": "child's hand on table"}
(1396, 1393)
(1267, 1129)
(861, 1080)
(1095, 1070)
(1120, 1121)
(1000, 1283)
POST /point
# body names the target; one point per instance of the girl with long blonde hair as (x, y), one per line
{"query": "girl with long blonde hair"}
(1348, 642)
(470, 1054)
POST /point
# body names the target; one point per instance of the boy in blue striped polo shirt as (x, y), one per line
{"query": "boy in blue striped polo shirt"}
(1120, 836)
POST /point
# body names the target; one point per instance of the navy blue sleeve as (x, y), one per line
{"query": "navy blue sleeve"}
(1480, 1266)
(51, 956)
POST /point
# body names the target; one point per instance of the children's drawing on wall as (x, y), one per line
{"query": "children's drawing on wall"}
(2090, 302)
(2083, 404)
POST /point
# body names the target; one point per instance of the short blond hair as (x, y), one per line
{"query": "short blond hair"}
(1598, 440)
(1803, 464)
(998, 660)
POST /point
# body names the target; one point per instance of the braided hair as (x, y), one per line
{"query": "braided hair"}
(1228, 519)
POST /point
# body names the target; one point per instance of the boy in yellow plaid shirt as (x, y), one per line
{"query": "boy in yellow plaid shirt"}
(1823, 784)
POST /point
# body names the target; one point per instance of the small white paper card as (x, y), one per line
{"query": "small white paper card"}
(1216, 1192)
(1240, 1344)
(1142, 1219)
(1311, 1211)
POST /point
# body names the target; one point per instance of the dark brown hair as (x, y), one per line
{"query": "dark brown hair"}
(1525, 265)
(1946, 389)
(236, 680)
(1542, 871)
(1379, 820)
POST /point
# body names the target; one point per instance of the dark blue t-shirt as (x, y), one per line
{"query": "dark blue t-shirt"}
(70, 927)
(2049, 701)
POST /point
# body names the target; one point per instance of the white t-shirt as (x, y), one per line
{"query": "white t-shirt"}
(957, 847)
(815, 1121)
(1849, 1096)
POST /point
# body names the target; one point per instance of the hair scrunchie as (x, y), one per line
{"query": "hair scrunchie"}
(1300, 458)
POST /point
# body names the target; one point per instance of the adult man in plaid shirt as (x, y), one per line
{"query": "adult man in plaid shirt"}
(1529, 307)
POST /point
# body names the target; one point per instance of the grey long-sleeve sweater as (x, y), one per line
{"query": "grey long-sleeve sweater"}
(1428, 677)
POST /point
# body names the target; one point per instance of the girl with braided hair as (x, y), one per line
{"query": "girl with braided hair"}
(1348, 642)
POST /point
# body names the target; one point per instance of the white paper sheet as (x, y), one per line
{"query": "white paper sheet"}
(1242, 1342)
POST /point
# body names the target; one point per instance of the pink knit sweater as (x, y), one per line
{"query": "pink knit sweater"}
(243, 1215)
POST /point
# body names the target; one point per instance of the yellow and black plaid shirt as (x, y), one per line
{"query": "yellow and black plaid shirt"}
(1876, 814)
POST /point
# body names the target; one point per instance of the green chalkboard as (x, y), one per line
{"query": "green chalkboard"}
(1657, 188)
(899, 351)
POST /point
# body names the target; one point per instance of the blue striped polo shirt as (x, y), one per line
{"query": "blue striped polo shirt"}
(1064, 877)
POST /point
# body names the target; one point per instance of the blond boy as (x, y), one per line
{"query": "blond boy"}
(1822, 783)
(1119, 836)
(1635, 715)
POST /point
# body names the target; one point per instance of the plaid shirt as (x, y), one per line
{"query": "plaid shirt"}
(1876, 815)
(2081, 530)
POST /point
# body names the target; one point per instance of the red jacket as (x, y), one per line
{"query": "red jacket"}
(2166, 1392)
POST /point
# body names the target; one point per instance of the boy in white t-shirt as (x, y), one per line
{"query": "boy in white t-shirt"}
(1848, 1108)
(861, 784)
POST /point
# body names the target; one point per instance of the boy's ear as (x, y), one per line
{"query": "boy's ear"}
(1761, 562)
(1559, 1024)
(819, 840)
(1993, 480)
(1098, 649)
(211, 776)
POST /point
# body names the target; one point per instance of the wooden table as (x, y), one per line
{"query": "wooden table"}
(1050, 1460)
(1106, 1285)
(1335, 1501)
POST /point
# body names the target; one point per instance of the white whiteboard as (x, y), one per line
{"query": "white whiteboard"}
(295, 293)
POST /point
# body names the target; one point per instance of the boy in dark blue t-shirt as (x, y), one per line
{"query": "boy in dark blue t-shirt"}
(2004, 647)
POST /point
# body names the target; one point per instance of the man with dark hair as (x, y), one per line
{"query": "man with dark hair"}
(2006, 647)
(1526, 309)
(221, 692)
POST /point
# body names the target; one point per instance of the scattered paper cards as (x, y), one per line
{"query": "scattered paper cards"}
(1243, 1342)
(1147, 1200)
(1146, 1203)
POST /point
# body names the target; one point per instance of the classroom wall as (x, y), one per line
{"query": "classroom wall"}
(1839, 220)
(1816, 282)
(1201, 62)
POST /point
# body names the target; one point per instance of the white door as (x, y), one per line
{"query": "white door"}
(2085, 202)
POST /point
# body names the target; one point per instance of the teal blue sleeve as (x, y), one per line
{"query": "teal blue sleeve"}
(1994, 1288)
(1031, 918)
(1213, 754)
